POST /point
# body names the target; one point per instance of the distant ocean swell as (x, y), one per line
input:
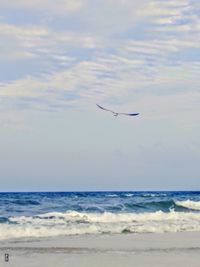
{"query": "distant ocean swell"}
(97, 214)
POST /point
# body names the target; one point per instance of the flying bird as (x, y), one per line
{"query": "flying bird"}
(117, 113)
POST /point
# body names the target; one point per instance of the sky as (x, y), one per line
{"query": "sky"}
(58, 59)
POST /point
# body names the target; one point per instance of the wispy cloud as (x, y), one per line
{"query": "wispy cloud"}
(113, 51)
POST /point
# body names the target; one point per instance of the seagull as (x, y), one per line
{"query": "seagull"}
(117, 113)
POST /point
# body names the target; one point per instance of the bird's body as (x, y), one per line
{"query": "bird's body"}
(117, 113)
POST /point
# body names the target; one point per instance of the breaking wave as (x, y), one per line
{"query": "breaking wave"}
(189, 204)
(78, 223)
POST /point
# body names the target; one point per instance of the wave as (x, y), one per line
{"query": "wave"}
(189, 204)
(3, 220)
(129, 195)
(149, 195)
(164, 205)
(25, 202)
(112, 195)
(78, 223)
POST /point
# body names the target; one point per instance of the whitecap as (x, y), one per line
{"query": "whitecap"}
(195, 205)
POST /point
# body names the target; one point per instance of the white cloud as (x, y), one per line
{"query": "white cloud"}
(175, 17)
(16, 40)
(168, 8)
(26, 42)
(104, 78)
(108, 66)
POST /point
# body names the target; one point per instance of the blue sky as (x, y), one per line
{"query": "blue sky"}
(59, 58)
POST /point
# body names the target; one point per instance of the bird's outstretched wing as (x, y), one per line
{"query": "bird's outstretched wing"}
(129, 114)
(106, 109)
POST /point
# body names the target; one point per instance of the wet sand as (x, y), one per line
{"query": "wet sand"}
(140, 250)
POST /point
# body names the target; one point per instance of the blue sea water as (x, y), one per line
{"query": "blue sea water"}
(77, 213)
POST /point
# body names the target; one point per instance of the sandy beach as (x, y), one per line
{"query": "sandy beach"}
(141, 250)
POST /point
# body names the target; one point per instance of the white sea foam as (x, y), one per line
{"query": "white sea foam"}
(149, 195)
(77, 223)
(195, 205)
(129, 195)
(112, 195)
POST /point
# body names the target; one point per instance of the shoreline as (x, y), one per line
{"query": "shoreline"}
(117, 250)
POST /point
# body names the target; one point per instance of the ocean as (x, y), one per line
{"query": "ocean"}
(48, 214)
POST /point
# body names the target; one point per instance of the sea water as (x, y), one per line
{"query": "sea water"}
(77, 213)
